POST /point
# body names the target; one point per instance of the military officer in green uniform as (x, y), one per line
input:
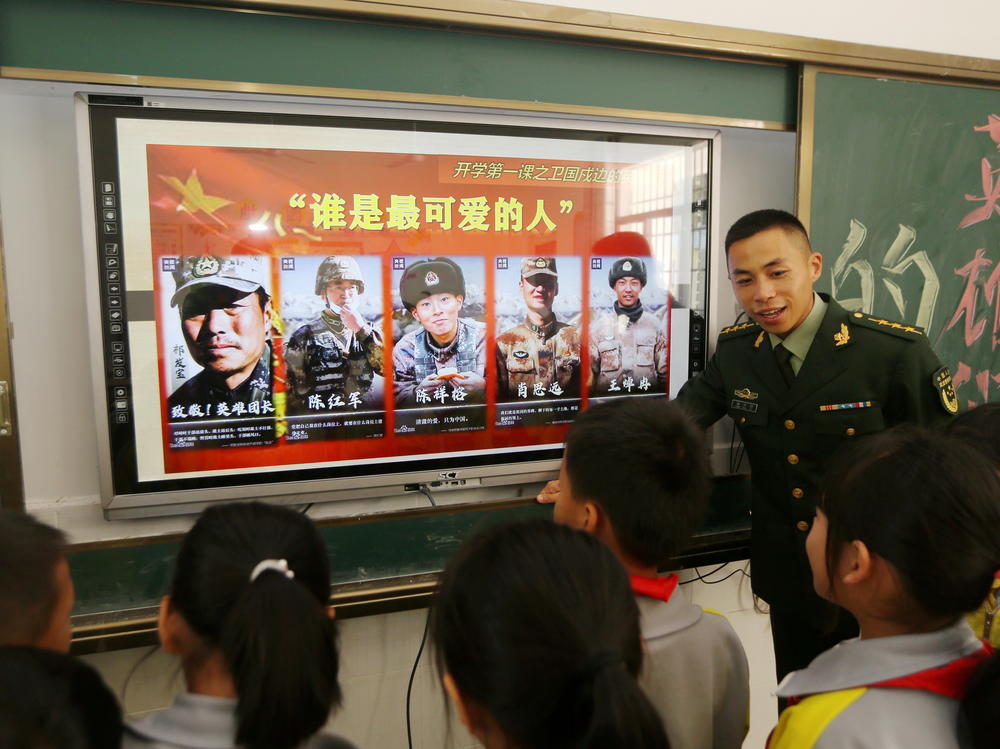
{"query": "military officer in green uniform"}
(803, 377)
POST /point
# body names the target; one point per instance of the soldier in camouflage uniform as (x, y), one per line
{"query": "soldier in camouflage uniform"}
(225, 315)
(541, 349)
(446, 356)
(338, 353)
(628, 344)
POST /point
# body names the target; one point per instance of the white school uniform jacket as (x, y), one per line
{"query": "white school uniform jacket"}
(695, 673)
(885, 693)
(196, 721)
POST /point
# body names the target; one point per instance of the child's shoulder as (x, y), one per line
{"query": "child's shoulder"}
(868, 718)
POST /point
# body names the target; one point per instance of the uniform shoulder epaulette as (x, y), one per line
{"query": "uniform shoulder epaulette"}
(737, 330)
(887, 326)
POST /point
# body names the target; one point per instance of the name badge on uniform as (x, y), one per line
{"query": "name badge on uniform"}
(742, 401)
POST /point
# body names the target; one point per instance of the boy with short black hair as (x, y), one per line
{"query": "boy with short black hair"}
(36, 591)
(635, 474)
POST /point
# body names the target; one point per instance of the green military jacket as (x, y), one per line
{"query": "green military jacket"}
(862, 374)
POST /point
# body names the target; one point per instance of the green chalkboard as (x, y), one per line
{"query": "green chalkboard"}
(905, 207)
(135, 576)
(110, 36)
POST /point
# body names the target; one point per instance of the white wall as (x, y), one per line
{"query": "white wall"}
(961, 27)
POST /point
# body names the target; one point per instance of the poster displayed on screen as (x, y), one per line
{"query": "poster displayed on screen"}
(342, 295)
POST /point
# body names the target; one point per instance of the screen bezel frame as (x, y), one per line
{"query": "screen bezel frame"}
(179, 496)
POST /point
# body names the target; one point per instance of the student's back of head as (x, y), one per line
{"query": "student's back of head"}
(36, 592)
(644, 462)
(252, 582)
(929, 507)
(979, 428)
(537, 638)
(49, 700)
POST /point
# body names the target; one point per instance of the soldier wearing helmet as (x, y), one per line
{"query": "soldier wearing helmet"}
(628, 346)
(541, 351)
(225, 313)
(447, 351)
(339, 352)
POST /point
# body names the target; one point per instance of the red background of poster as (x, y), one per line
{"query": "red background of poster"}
(259, 184)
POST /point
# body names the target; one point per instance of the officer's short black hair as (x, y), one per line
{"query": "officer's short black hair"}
(645, 463)
(762, 220)
(30, 551)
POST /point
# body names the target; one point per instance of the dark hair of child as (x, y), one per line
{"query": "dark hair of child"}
(49, 700)
(537, 625)
(930, 507)
(645, 463)
(979, 428)
(274, 632)
(29, 553)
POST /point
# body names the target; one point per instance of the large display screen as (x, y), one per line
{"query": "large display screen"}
(308, 297)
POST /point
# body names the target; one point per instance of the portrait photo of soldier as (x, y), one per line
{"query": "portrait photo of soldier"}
(539, 357)
(334, 358)
(628, 341)
(441, 359)
(224, 311)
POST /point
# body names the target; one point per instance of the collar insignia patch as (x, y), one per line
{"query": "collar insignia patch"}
(843, 337)
(760, 340)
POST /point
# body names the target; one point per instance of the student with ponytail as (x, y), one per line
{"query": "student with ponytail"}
(247, 615)
(905, 539)
(537, 639)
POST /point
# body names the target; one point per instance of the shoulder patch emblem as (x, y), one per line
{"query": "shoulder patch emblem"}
(843, 337)
(946, 389)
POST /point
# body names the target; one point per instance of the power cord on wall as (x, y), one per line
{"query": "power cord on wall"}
(704, 578)
(413, 673)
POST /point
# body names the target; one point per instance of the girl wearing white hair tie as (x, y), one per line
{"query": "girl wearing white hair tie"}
(247, 615)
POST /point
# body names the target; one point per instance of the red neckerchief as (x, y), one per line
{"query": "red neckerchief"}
(660, 588)
(949, 680)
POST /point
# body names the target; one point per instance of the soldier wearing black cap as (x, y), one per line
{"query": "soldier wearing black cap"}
(628, 347)
(446, 355)
(225, 313)
(540, 351)
(339, 353)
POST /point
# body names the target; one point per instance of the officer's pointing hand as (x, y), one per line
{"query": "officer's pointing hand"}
(549, 493)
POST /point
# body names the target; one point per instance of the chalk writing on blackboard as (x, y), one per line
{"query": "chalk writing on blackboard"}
(895, 261)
